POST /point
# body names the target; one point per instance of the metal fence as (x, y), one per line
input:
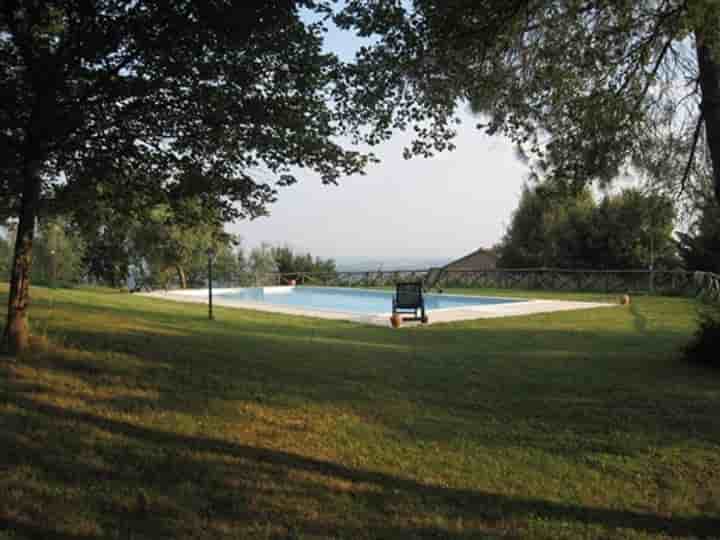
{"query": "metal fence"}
(666, 282)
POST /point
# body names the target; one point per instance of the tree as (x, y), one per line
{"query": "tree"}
(641, 81)
(548, 228)
(160, 240)
(290, 263)
(699, 247)
(227, 264)
(106, 230)
(261, 261)
(145, 103)
(634, 230)
(325, 266)
(59, 254)
(630, 229)
(573, 234)
(166, 244)
(523, 243)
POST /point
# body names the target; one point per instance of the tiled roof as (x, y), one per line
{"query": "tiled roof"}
(468, 262)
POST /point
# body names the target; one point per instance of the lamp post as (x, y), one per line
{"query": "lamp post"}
(211, 255)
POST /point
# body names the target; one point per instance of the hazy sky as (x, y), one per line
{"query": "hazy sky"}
(445, 206)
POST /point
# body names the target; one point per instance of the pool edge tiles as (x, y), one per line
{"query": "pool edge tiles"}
(520, 307)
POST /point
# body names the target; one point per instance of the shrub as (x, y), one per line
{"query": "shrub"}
(705, 346)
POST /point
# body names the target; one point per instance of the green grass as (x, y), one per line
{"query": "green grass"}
(138, 418)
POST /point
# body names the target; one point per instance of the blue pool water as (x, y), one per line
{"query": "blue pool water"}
(349, 300)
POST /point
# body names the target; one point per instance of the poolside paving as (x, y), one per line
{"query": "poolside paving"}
(514, 309)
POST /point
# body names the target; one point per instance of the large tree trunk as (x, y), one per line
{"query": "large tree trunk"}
(17, 331)
(710, 104)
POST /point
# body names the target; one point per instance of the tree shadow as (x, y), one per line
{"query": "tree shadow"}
(237, 480)
(30, 531)
(639, 319)
(463, 376)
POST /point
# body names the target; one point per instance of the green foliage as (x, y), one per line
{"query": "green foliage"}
(163, 244)
(544, 229)
(634, 230)
(147, 103)
(227, 265)
(58, 254)
(106, 232)
(261, 261)
(700, 246)
(289, 262)
(570, 230)
(704, 346)
(584, 89)
(167, 247)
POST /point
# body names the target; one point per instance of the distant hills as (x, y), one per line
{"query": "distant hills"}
(362, 264)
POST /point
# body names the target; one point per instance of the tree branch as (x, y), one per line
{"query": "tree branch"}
(691, 158)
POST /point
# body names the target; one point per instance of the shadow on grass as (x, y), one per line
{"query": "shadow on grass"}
(640, 321)
(234, 480)
(547, 380)
(22, 529)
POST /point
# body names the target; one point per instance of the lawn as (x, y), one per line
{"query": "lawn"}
(138, 418)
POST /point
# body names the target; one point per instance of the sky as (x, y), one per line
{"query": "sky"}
(442, 207)
(437, 208)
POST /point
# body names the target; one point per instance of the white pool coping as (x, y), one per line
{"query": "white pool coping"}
(444, 315)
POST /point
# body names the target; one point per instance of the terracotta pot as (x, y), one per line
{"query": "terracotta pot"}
(396, 321)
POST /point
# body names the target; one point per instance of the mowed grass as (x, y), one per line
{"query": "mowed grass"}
(138, 418)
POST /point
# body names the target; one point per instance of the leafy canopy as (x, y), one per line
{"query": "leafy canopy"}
(584, 88)
(700, 245)
(626, 230)
(290, 262)
(149, 102)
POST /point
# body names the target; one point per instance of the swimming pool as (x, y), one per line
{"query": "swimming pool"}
(345, 300)
(367, 306)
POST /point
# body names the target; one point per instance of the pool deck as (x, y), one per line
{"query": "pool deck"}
(514, 309)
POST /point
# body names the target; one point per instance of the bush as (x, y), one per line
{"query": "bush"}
(705, 345)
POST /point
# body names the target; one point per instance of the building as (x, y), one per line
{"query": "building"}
(481, 259)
